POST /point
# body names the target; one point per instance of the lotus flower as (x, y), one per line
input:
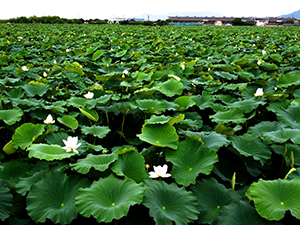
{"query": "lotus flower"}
(24, 68)
(71, 144)
(125, 71)
(44, 74)
(49, 120)
(259, 92)
(258, 62)
(89, 95)
(159, 172)
(264, 52)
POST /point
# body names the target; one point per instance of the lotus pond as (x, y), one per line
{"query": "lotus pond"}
(165, 125)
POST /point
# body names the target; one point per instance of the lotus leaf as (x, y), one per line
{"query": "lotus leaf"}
(98, 162)
(106, 206)
(212, 197)
(274, 197)
(54, 197)
(26, 134)
(190, 159)
(168, 202)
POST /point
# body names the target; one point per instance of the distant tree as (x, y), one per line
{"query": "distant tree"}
(290, 21)
(148, 23)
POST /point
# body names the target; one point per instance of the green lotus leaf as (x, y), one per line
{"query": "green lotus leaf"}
(106, 60)
(12, 171)
(120, 53)
(247, 105)
(158, 119)
(90, 113)
(25, 183)
(98, 131)
(168, 202)
(26, 103)
(276, 57)
(68, 121)
(26, 134)
(289, 116)
(288, 79)
(191, 120)
(164, 119)
(264, 127)
(54, 198)
(276, 95)
(14, 220)
(190, 159)
(233, 115)
(123, 149)
(224, 67)
(56, 138)
(273, 198)
(223, 130)
(246, 75)
(146, 91)
(241, 61)
(184, 102)
(48, 152)
(212, 197)
(9, 148)
(149, 106)
(242, 213)
(102, 100)
(171, 87)
(296, 93)
(77, 102)
(6, 201)
(251, 145)
(274, 106)
(11, 116)
(74, 68)
(160, 135)
(98, 162)
(132, 165)
(282, 135)
(114, 200)
(97, 54)
(226, 75)
(213, 140)
(269, 66)
(32, 90)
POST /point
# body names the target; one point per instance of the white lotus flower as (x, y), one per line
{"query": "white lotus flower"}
(264, 52)
(89, 95)
(71, 144)
(125, 71)
(258, 62)
(159, 172)
(44, 74)
(24, 68)
(259, 92)
(49, 120)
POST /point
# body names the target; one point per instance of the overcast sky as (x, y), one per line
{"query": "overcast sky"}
(91, 9)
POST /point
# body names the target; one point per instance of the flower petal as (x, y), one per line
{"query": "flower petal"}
(153, 175)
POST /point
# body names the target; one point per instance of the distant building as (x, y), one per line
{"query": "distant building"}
(218, 23)
(261, 21)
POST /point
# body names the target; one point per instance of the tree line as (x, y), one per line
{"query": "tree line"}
(59, 20)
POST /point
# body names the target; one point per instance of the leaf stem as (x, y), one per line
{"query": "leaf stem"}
(283, 160)
(107, 119)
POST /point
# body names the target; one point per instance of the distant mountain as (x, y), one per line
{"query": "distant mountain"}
(190, 14)
(295, 14)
